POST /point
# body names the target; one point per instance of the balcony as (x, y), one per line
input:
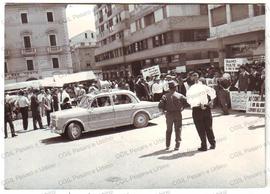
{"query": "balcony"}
(54, 49)
(28, 51)
(7, 53)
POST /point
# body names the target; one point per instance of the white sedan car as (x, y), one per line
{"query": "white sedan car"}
(104, 110)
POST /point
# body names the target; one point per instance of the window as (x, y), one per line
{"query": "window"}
(6, 70)
(85, 35)
(27, 42)
(133, 27)
(52, 40)
(259, 9)
(55, 62)
(30, 65)
(92, 35)
(218, 16)
(239, 11)
(88, 64)
(149, 19)
(50, 16)
(24, 18)
(121, 99)
(203, 9)
(158, 15)
(101, 102)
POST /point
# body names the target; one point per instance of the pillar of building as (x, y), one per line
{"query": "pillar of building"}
(228, 13)
(221, 53)
(250, 10)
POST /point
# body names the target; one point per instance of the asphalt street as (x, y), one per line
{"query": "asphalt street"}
(132, 158)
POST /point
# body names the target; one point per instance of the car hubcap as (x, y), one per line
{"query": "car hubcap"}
(141, 119)
(75, 131)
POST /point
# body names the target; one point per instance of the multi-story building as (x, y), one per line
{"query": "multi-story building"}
(86, 38)
(36, 41)
(239, 30)
(83, 48)
(166, 35)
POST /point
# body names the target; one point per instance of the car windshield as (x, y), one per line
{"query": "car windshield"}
(85, 102)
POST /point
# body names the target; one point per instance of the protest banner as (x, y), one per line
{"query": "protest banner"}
(181, 69)
(255, 104)
(232, 65)
(151, 71)
(210, 82)
(239, 100)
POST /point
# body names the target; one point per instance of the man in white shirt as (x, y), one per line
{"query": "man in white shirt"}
(199, 96)
(157, 90)
(23, 103)
(62, 95)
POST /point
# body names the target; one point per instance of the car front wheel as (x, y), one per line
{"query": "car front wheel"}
(141, 120)
(74, 131)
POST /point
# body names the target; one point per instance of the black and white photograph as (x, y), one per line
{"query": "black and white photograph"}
(113, 95)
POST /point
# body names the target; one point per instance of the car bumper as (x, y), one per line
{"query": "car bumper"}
(156, 115)
(56, 130)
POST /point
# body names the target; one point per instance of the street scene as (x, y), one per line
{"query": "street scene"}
(131, 158)
(134, 96)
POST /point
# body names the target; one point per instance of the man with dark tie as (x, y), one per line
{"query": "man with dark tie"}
(200, 96)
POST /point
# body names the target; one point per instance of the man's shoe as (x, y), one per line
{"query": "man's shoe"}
(212, 147)
(5, 137)
(202, 149)
(176, 148)
(14, 135)
(167, 148)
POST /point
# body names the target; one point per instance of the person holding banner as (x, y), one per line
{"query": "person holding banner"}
(199, 97)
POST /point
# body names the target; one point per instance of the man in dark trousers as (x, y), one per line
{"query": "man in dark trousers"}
(23, 103)
(172, 103)
(36, 111)
(8, 119)
(199, 96)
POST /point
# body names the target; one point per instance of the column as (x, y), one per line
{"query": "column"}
(221, 53)
(228, 13)
(250, 10)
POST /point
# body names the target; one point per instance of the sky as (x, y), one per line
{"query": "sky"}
(80, 17)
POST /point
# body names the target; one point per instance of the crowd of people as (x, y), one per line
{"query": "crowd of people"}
(43, 101)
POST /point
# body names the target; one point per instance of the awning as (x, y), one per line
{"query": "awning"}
(75, 77)
(23, 85)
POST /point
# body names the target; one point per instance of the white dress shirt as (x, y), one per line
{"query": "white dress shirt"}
(197, 94)
(157, 88)
(22, 102)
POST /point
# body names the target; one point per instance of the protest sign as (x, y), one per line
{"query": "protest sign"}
(255, 104)
(232, 65)
(239, 100)
(151, 71)
(181, 69)
(210, 82)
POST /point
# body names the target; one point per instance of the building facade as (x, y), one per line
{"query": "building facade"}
(83, 58)
(166, 35)
(239, 30)
(36, 41)
(87, 38)
(83, 48)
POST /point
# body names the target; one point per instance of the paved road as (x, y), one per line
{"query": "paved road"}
(135, 158)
